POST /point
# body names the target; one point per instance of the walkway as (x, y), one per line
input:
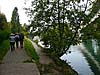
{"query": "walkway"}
(13, 64)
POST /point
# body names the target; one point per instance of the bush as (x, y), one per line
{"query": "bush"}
(30, 50)
(4, 35)
(4, 47)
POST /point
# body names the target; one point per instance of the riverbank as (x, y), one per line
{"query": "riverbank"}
(51, 66)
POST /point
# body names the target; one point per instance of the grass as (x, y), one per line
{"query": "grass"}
(4, 47)
(30, 50)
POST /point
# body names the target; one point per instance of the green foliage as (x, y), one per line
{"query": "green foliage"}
(51, 38)
(15, 24)
(24, 30)
(3, 22)
(4, 34)
(4, 47)
(4, 28)
(30, 50)
(60, 23)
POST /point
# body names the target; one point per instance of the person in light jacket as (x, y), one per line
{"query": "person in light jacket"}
(12, 41)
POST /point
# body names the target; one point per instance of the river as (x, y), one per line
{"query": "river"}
(84, 58)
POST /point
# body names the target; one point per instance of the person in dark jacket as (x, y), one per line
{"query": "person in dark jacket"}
(17, 39)
(21, 39)
(12, 41)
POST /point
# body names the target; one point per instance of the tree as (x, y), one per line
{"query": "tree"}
(24, 29)
(15, 21)
(60, 23)
(4, 28)
(92, 30)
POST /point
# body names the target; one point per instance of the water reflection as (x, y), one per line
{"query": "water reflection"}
(77, 60)
(95, 46)
(84, 58)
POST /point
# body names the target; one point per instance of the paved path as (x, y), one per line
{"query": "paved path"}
(13, 64)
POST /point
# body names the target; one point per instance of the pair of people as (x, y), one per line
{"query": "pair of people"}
(16, 38)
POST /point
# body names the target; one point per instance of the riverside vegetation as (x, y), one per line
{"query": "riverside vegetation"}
(30, 50)
(4, 47)
(57, 67)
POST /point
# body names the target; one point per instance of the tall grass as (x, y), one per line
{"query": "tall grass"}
(4, 47)
(30, 50)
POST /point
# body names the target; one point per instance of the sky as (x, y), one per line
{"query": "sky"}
(7, 7)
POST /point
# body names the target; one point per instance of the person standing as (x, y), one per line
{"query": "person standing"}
(21, 38)
(12, 42)
(17, 39)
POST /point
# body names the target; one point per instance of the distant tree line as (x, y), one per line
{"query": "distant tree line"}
(6, 28)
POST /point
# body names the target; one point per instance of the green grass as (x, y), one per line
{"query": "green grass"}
(4, 47)
(30, 50)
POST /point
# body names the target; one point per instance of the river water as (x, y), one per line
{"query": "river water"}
(84, 58)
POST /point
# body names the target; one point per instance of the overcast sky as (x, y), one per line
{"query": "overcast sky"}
(7, 6)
